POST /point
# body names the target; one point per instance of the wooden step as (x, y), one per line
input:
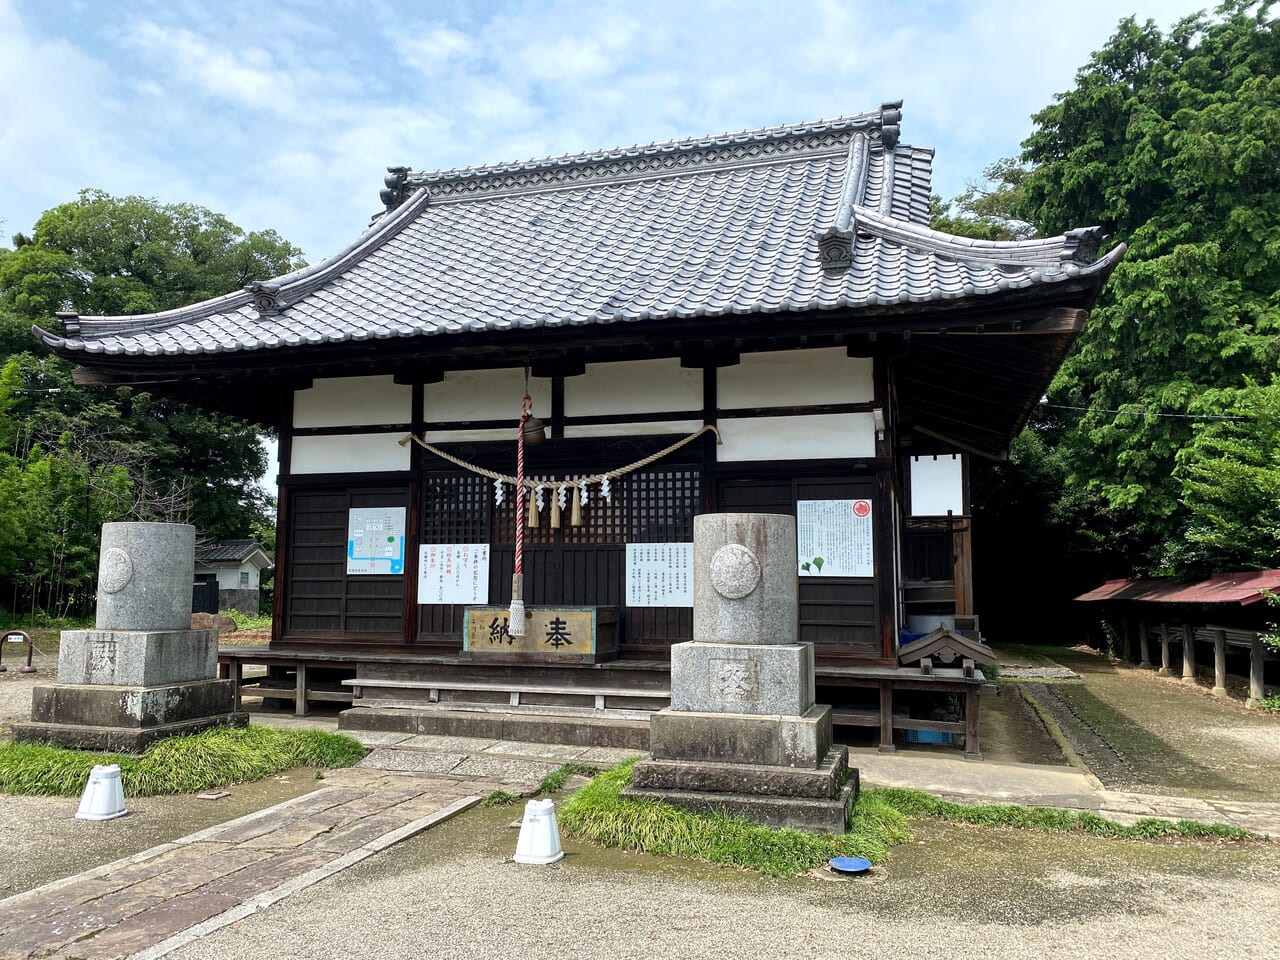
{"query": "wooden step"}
(647, 693)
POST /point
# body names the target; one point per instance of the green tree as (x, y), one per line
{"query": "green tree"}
(1230, 477)
(1172, 144)
(72, 458)
(988, 209)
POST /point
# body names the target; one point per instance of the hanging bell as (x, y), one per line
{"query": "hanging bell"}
(534, 431)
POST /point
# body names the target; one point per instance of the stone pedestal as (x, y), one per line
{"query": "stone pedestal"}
(743, 734)
(141, 675)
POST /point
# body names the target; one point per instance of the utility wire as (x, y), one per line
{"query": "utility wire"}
(1143, 411)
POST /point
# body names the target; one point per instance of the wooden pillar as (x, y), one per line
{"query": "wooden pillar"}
(1126, 639)
(236, 668)
(1257, 653)
(1165, 669)
(972, 746)
(886, 716)
(300, 690)
(1144, 644)
(1219, 663)
(1188, 653)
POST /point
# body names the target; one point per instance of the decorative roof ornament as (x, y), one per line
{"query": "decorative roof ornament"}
(1082, 244)
(266, 298)
(835, 248)
(890, 118)
(397, 189)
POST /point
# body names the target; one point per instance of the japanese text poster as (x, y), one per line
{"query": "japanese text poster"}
(453, 573)
(833, 538)
(660, 575)
(375, 540)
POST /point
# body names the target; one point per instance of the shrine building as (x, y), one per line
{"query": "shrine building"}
(760, 321)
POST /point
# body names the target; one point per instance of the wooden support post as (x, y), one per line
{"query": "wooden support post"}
(300, 690)
(1257, 691)
(1188, 653)
(237, 676)
(972, 746)
(1144, 644)
(1219, 663)
(1165, 669)
(886, 717)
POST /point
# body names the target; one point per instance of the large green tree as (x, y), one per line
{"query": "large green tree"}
(71, 457)
(1170, 142)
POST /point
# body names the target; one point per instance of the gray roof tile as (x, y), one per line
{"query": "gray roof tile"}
(714, 226)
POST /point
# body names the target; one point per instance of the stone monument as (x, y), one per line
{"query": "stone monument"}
(141, 674)
(743, 734)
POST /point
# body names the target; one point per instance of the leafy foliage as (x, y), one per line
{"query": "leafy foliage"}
(1172, 144)
(988, 208)
(72, 458)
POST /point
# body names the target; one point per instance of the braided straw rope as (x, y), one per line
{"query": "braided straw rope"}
(595, 478)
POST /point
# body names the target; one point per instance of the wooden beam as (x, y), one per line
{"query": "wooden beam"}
(998, 456)
(1057, 322)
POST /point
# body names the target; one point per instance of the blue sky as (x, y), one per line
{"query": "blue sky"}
(285, 115)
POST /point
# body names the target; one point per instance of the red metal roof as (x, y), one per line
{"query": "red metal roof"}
(1242, 588)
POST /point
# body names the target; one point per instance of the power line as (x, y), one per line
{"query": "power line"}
(1143, 411)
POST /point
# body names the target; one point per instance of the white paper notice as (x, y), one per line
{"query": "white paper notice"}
(833, 538)
(659, 574)
(453, 573)
(375, 540)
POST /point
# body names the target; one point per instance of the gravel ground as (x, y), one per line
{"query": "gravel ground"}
(959, 892)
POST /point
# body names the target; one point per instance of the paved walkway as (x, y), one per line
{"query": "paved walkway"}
(149, 904)
(1033, 785)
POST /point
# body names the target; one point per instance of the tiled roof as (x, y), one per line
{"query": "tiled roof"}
(228, 551)
(820, 216)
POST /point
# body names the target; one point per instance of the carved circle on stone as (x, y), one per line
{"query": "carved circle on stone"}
(735, 571)
(116, 572)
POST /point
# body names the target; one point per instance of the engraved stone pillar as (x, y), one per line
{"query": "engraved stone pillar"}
(1166, 670)
(141, 674)
(743, 732)
(1219, 663)
(1144, 644)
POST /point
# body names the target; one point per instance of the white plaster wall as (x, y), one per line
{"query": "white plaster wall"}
(789, 378)
(352, 402)
(229, 578)
(635, 386)
(681, 427)
(826, 436)
(462, 436)
(937, 486)
(349, 453)
(485, 395)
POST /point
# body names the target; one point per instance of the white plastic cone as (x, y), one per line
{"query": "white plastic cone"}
(539, 834)
(103, 797)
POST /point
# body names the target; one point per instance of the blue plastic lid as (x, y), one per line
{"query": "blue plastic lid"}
(850, 864)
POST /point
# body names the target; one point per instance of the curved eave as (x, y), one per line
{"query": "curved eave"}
(292, 286)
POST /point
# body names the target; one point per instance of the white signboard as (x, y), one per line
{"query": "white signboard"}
(659, 574)
(453, 573)
(833, 538)
(375, 540)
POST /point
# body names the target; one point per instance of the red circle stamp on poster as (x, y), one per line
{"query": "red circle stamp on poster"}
(862, 508)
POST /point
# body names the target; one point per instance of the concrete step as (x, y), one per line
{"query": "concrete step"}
(590, 731)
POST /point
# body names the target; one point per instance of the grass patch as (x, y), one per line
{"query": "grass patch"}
(500, 798)
(214, 758)
(1270, 703)
(916, 803)
(597, 813)
(248, 621)
(554, 782)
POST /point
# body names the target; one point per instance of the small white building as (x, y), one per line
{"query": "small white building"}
(236, 566)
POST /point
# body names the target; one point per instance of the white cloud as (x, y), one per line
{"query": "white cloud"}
(286, 115)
